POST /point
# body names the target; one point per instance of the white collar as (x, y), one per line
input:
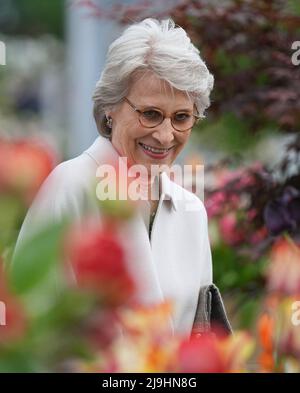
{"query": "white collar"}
(102, 149)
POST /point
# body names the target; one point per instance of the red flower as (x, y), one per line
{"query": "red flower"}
(200, 355)
(24, 165)
(12, 321)
(99, 263)
(12, 318)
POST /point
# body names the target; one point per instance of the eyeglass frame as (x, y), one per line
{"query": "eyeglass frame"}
(140, 112)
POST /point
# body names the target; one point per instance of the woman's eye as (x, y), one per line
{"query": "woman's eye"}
(152, 115)
(182, 116)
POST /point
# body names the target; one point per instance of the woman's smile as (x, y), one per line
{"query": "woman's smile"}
(154, 152)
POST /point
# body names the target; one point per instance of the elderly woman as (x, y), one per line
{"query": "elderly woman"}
(152, 91)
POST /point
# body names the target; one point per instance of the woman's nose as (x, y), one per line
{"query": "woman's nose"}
(164, 133)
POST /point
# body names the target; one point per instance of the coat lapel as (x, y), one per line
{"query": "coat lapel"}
(135, 238)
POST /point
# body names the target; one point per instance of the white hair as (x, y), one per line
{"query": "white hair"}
(158, 46)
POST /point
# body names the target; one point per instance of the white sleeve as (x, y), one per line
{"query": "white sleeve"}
(207, 277)
(53, 201)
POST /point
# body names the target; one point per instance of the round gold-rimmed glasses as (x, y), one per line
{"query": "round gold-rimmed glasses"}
(153, 117)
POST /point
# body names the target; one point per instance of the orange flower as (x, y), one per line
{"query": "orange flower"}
(283, 274)
(152, 320)
(24, 165)
(265, 328)
(265, 331)
(146, 343)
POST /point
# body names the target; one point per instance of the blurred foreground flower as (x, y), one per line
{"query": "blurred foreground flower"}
(99, 263)
(284, 270)
(266, 333)
(12, 316)
(209, 354)
(147, 344)
(289, 329)
(24, 165)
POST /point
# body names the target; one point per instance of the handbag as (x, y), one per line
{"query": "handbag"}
(210, 317)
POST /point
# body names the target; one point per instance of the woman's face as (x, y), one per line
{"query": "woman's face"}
(130, 138)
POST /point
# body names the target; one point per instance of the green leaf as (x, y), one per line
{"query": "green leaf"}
(11, 210)
(36, 258)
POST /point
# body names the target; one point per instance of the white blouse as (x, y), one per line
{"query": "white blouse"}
(145, 207)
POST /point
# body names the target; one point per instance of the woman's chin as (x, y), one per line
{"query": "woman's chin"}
(152, 163)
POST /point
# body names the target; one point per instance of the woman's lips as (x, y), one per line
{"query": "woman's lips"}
(153, 152)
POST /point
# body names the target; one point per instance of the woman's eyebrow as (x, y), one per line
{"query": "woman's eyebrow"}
(185, 110)
(159, 108)
(151, 107)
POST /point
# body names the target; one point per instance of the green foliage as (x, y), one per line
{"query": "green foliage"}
(35, 17)
(229, 64)
(247, 47)
(52, 307)
(233, 271)
(11, 209)
(36, 258)
(294, 6)
(53, 335)
(228, 134)
(242, 283)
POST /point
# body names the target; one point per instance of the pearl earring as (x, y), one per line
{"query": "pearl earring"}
(109, 122)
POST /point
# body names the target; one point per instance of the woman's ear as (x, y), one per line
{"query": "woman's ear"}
(109, 122)
(107, 114)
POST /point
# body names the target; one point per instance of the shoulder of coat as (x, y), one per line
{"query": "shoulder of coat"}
(75, 172)
(187, 200)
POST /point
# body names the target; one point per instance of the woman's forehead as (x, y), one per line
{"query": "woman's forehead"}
(149, 89)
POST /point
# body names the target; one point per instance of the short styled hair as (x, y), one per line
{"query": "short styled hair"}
(157, 46)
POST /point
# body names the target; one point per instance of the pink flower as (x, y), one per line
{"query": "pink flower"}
(214, 203)
(229, 186)
(242, 176)
(229, 231)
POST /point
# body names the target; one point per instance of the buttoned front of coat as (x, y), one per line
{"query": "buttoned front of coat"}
(173, 265)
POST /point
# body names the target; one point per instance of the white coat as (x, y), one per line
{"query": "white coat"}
(172, 266)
